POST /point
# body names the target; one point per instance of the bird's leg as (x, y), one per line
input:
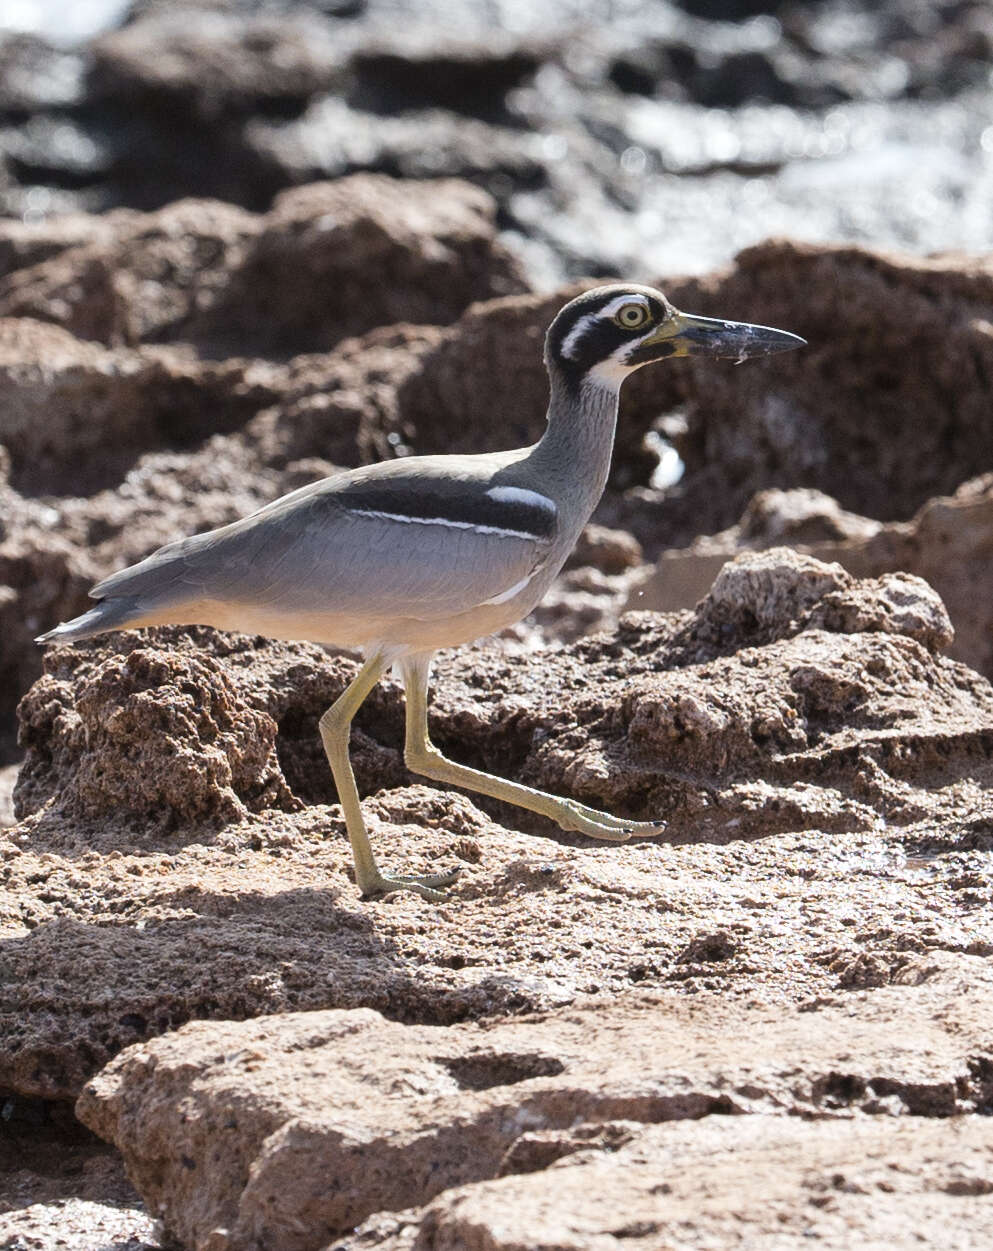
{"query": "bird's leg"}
(335, 726)
(423, 757)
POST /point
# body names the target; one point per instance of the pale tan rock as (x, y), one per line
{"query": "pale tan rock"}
(291, 1130)
(73, 1224)
(739, 1181)
(945, 543)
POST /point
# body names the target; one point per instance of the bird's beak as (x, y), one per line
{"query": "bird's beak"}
(685, 335)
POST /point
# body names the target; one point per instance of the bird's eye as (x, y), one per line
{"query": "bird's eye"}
(631, 316)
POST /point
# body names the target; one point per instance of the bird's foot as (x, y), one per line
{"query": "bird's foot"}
(429, 886)
(604, 825)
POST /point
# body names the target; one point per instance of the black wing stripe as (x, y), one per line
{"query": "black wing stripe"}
(505, 509)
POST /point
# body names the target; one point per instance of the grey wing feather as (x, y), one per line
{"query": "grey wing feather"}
(307, 553)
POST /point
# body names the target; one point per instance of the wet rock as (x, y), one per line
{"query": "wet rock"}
(417, 72)
(332, 139)
(328, 261)
(208, 64)
(239, 101)
(236, 1128)
(36, 75)
(26, 243)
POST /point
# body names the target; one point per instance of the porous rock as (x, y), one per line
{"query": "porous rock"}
(794, 762)
(334, 259)
(113, 429)
(680, 719)
(294, 1129)
(404, 388)
(158, 738)
(76, 415)
(945, 543)
(202, 65)
(843, 1183)
(182, 733)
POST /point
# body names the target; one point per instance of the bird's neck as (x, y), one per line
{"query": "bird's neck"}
(574, 452)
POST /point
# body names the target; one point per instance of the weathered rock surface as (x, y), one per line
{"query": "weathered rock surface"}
(754, 1181)
(76, 415)
(131, 445)
(800, 733)
(825, 771)
(292, 1130)
(946, 543)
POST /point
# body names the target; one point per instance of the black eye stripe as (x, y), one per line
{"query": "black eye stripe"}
(600, 333)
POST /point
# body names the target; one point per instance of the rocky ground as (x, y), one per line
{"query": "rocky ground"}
(248, 243)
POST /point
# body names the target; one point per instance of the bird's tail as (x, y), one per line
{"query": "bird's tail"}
(108, 614)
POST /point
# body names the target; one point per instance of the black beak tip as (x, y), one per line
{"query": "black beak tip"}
(764, 341)
(790, 341)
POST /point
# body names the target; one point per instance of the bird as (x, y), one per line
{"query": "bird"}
(401, 558)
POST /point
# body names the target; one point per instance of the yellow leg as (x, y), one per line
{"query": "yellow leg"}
(335, 728)
(423, 757)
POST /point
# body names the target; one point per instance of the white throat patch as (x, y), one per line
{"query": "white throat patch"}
(612, 372)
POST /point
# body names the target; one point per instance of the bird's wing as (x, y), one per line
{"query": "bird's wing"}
(423, 544)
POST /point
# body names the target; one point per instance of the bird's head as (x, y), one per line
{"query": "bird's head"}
(607, 333)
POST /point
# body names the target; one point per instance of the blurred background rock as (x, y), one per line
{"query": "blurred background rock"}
(616, 136)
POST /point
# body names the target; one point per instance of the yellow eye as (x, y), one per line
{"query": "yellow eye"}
(631, 316)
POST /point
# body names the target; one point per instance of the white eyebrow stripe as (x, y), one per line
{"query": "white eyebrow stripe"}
(588, 319)
(576, 333)
(615, 306)
(447, 521)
